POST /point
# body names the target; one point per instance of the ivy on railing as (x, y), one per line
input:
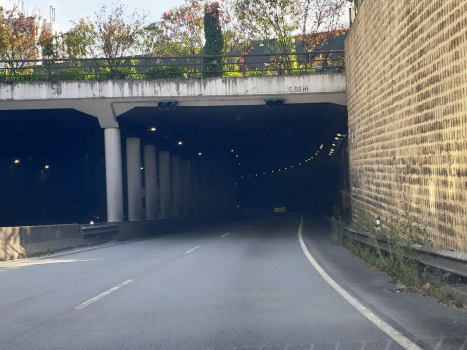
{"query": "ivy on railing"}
(173, 67)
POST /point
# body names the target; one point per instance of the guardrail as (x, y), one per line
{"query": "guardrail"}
(98, 229)
(163, 67)
(450, 261)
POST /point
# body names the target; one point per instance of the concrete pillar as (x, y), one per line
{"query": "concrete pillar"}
(150, 181)
(177, 189)
(195, 187)
(165, 185)
(113, 174)
(187, 188)
(133, 165)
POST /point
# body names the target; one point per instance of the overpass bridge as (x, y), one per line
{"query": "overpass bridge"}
(212, 108)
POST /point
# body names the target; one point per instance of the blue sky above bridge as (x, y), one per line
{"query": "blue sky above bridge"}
(73, 10)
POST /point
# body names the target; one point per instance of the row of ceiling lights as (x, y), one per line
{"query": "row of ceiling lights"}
(299, 164)
(337, 143)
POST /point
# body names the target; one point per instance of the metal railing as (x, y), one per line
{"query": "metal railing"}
(450, 261)
(170, 67)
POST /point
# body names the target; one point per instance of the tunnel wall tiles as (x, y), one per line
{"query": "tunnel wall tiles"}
(406, 84)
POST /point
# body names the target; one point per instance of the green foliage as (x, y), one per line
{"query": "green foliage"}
(214, 41)
(400, 261)
(166, 73)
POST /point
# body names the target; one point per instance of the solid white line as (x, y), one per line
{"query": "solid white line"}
(111, 290)
(192, 250)
(403, 341)
(226, 234)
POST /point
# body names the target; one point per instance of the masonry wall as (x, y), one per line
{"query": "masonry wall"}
(406, 85)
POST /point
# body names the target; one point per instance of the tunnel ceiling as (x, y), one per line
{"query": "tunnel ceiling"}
(263, 138)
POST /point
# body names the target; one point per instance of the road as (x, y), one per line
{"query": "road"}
(246, 285)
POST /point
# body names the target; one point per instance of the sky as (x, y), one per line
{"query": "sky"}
(66, 10)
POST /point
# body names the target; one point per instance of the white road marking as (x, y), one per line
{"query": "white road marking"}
(192, 250)
(226, 234)
(403, 341)
(100, 296)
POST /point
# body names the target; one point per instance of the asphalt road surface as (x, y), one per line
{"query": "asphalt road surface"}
(247, 285)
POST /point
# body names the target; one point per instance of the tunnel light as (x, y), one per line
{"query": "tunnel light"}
(299, 163)
(264, 173)
(235, 184)
(232, 151)
(180, 143)
(142, 168)
(91, 222)
(321, 147)
(170, 104)
(336, 138)
(311, 158)
(200, 154)
(306, 161)
(242, 177)
(16, 161)
(316, 153)
(285, 168)
(334, 144)
(47, 167)
(249, 175)
(272, 171)
(279, 169)
(236, 156)
(153, 129)
(291, 166)
(256, 174)
(332, 149)
(339, 135)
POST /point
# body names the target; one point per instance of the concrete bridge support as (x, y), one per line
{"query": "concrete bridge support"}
(165, 185)
(187, 188)
(150, 180)
(196, 193)
(177, 189)
(133, 161)
(113, 174)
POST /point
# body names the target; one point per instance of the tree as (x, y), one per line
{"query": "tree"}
(320, 22)
(214, 40)
(111, 34)
(277, 23)
(19, 35)
(178, 33)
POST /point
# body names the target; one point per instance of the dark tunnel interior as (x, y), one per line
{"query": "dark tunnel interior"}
(53, 166)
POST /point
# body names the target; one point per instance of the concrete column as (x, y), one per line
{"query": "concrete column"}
(187, 188)
(113, 174)
(133, 165)
(165, 185)
(150, 180)
(195, 187)
(177, 187)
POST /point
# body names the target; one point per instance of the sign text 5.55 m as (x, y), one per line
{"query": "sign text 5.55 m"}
(297, 89)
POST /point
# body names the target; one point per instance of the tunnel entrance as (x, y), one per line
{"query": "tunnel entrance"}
(276, 154)
(52, 167)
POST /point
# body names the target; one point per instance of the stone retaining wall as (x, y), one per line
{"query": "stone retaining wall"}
(407, 103)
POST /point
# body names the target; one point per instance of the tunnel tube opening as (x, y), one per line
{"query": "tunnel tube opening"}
(276, 155)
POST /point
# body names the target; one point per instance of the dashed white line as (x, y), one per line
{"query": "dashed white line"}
(226, 234)
(100, 296)
(405, 342)
(192, 250)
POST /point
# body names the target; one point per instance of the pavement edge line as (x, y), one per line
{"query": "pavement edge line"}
(403, 341)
